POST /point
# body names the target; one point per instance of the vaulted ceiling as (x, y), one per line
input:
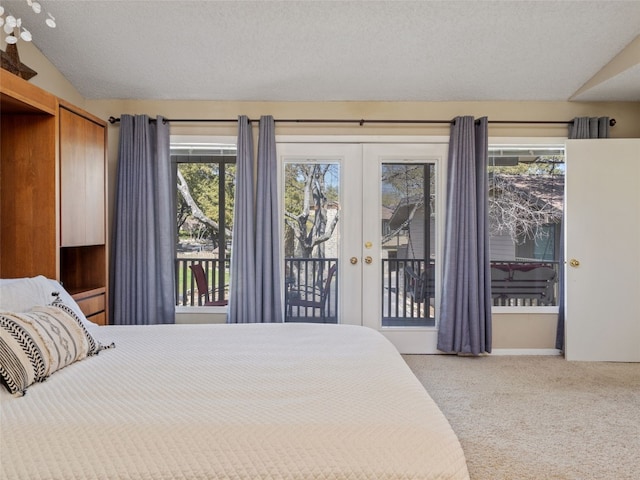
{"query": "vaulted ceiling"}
(343, 50)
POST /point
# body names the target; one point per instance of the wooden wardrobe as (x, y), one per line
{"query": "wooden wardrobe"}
(53, 193)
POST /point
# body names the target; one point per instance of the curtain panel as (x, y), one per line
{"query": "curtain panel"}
(589, 127)
(465, 311)
(255, 291)
(242, 289)
(268, 262)
(142, 290)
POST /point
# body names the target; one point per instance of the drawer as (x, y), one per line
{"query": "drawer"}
(92, 305)
(91, 301)
(99, 318)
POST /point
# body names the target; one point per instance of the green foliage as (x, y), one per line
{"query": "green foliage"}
(203, 180)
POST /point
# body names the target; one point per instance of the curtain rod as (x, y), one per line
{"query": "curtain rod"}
(362, 121)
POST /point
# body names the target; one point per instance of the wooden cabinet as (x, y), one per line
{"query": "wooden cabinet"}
(28, 186)
(53, 193)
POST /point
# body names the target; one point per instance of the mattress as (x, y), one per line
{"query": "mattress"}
(251, 401)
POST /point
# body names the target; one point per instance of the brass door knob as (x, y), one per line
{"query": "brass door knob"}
(368, 260)
(353, 260)
(574, 263)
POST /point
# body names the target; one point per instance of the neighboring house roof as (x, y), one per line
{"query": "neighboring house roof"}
(387, 213)
(404, 209)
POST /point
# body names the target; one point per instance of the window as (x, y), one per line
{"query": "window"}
(204, 177)
(526, 203)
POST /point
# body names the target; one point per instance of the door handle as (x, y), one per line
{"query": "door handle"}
(353, 260)
(574, 263)
(368, 260)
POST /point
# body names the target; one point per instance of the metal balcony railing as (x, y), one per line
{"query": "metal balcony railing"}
(514, 283)
(311, 290)
(217, 273)
(402, 305)
(524, 283)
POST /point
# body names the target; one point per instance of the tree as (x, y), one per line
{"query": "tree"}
(198, 187)
(404, 184)
(307, 198)
(525, 198)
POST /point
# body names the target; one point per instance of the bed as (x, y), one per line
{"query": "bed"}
(250, 401)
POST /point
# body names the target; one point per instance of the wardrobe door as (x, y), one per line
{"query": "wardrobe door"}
(82, 180)
(28, 188)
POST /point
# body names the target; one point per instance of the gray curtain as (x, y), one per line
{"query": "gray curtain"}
(589, 127)
(143, 251)
(580, 128)
(268, 262)
(256, 295)
(465, 309)
(243, 307)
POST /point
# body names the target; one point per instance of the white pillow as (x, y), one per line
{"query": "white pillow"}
(22, 294)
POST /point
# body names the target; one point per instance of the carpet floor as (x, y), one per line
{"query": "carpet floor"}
(539, 417)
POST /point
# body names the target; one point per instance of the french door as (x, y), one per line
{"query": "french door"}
(362, 236)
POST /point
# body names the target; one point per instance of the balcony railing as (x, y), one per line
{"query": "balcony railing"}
(217, 273)
(312, 293)
(513, 283)
(524, 283)
(408, 293)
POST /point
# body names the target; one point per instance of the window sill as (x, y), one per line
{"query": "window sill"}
(200, 310)
(525, 310)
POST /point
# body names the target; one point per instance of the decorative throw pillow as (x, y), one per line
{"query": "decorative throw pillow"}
(22, 360)
(93, 346)
(35, 344)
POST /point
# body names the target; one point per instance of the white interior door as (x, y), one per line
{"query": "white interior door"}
(602, 319)
(386, 197)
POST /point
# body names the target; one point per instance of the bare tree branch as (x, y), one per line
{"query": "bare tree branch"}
(519, 213)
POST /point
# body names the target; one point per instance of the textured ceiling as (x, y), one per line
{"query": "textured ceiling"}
(342, 50)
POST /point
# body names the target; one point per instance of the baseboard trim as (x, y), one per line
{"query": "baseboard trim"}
(526, 351)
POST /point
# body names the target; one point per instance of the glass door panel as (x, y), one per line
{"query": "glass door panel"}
(402, 231)
(320, 216)
(407, 237)
(311, 240)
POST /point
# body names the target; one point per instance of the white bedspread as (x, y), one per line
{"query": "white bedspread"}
(277, 401)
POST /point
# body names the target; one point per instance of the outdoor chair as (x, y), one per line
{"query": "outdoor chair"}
(203, 287)
(419, 287)
(311, 296)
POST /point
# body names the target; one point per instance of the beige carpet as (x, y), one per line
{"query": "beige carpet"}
(528, 417)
